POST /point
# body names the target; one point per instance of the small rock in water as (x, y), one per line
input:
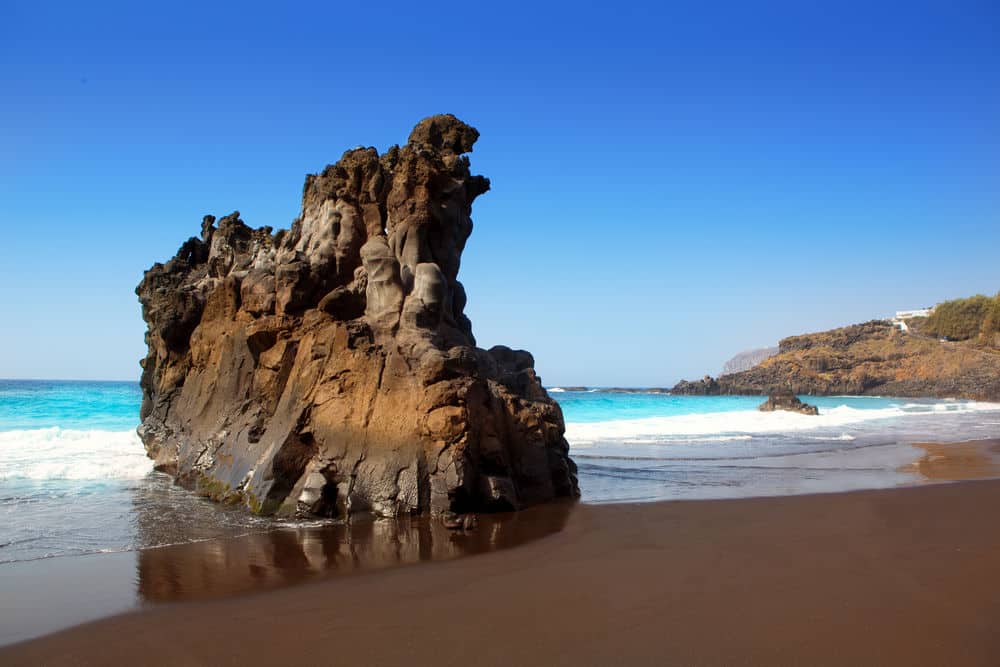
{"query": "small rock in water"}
(789, 402)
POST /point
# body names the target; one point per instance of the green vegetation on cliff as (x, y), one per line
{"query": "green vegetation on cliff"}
(974, 318)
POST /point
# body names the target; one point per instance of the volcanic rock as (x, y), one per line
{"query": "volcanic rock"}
(789, 402)
(707, 386)
(330, 368)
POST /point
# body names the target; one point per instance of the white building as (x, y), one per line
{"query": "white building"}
(902, 315)
(907, 314)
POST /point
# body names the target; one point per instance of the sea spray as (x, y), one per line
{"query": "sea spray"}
(56, 453)
(729, 424)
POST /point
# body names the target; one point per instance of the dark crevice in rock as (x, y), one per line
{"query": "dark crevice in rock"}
(288, 465)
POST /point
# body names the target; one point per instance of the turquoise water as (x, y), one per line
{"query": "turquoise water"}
(74, 477)
(596, 406)
(31, 404)
(646, 447)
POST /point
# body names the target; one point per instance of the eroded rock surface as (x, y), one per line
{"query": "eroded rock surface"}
(330, 369)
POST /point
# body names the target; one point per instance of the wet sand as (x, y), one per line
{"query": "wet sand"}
(907, 576)
(953, 461)
(46, 595)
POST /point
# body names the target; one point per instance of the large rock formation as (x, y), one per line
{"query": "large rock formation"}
(873, 358)
(330, 369)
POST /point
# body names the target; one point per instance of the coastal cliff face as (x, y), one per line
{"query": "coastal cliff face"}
(872, 358)
(330, 369)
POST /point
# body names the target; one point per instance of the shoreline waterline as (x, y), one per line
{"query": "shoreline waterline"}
(87, 587)
(92, 587)
(74, 477)
(789, 578)
(77, 493)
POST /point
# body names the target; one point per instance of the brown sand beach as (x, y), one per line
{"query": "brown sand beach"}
(907, 576)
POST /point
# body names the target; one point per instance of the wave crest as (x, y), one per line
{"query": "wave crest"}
(734, 424)
(69, 454)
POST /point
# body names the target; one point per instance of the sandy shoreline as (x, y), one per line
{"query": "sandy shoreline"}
(956, 461)
(901, 576)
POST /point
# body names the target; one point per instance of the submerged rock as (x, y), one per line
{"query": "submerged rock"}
(330, 368)
(789, 402)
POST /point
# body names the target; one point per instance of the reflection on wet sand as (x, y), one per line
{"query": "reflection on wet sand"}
(955, 461)
(286, 556)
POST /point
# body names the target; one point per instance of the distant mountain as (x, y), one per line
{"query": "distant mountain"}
(747, 359)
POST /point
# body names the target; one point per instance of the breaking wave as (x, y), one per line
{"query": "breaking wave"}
(68, 454)
(734, 425)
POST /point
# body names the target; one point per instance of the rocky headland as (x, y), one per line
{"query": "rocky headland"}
(873, 358)
(330, 369)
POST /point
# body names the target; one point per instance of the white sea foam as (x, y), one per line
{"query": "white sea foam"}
(682, 439)
(726, 425)
(68, 454)
(556, 390)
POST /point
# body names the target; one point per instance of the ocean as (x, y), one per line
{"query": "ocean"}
(649, 447)
(75, 480)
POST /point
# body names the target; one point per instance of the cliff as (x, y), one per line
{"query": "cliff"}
(330, 368)
(872, 358)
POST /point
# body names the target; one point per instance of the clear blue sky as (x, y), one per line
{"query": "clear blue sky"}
(672, 183)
